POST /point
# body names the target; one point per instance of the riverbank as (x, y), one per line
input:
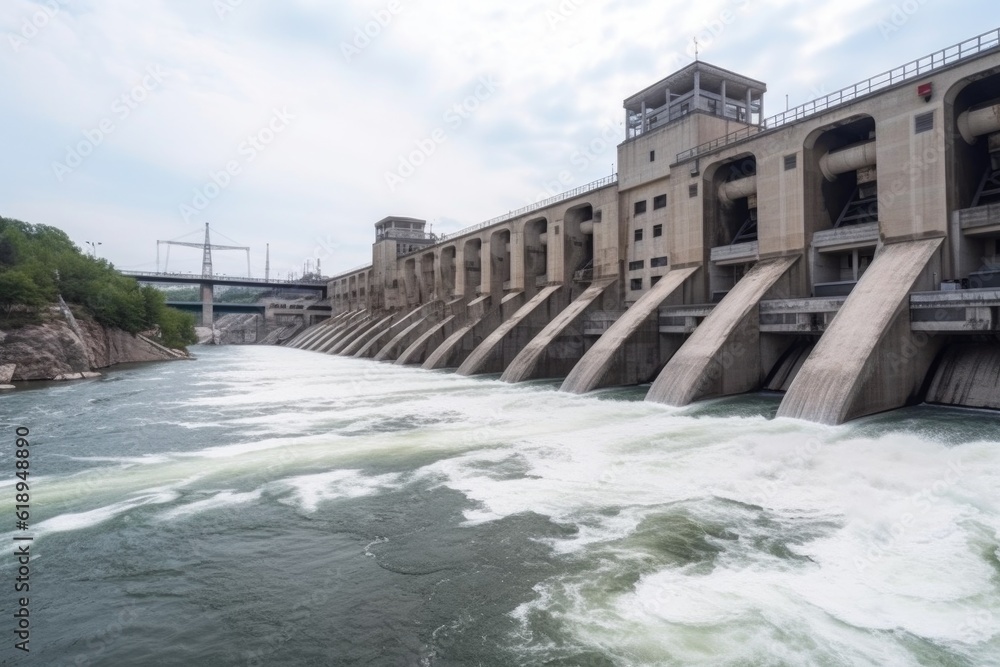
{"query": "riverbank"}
(62, 346)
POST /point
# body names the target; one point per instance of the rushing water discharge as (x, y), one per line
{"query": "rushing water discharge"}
(267, 506)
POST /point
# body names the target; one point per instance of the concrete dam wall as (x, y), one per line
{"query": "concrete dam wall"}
(806, 253)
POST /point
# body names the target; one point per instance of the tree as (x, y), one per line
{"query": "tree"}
(17, 288)
(39, 263)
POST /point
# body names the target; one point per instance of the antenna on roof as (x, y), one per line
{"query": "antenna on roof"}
(696, 49)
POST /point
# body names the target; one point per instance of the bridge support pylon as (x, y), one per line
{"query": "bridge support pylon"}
(207, 318)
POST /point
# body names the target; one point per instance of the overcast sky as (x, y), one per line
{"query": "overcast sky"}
(301, 123)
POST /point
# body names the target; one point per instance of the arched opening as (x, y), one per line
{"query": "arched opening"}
(841, 203)
(536, 252)
(411, 292)
(736, 216)
(975, 184)
(731, 222)
(472, 256)
(500, 264)
(578, 243)
(448, 270)
(426, 277)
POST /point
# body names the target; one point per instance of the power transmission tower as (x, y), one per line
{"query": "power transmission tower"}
(206, 258)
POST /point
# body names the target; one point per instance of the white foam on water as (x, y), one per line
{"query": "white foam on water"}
(81, 520)
(311, 490)
(905, 523)
(227, 498)
(889, 536)
(239, 449)
(146, 459)
(378, 540)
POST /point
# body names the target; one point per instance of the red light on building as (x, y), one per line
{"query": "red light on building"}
(925, 90)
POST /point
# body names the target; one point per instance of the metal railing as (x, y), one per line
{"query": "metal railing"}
(356, 269)
(911, 70)
(563, 196)
(150, 275)
(394, 233)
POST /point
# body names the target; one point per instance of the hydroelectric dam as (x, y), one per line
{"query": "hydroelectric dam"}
(843, 252)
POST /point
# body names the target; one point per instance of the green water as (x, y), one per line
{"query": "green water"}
(265, 506)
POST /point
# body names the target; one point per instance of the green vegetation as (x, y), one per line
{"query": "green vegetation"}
(227, 295)
(39, 263)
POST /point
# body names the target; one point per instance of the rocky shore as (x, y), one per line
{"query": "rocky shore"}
(64, 347)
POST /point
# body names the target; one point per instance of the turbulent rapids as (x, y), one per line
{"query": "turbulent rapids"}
(273, 506)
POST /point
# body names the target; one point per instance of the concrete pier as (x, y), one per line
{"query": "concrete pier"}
(416, 352)
(504, 342)
(535, 360)
(607, 362)
(869, 360)
(723, 357)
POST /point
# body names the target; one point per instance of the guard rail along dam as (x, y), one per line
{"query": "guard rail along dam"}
(844, 252)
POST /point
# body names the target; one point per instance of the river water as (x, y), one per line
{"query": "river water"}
(267, 506)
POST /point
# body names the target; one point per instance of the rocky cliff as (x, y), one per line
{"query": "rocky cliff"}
(65, 346)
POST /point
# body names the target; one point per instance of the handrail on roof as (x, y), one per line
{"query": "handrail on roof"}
(562, 196)
(356, 269)
(911, 70)
(152, 275)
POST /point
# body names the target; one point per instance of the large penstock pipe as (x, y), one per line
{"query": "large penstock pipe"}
(974, 123)
(738, 189)
(851, 158)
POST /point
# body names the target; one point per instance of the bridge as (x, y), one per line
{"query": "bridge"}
(318, 285)
(253, 308)
(207, 279)
(208, 283)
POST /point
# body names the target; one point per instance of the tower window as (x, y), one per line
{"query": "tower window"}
(659, 201)
(640, 207)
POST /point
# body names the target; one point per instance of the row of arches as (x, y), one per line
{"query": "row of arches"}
(526, 256)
